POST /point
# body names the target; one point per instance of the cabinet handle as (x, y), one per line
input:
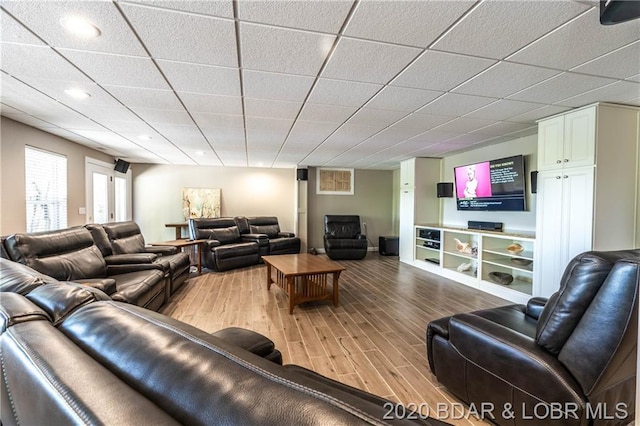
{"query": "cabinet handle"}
(406, 192)
(558, 177)
(565, 176)
(558, 161)
(566, 160)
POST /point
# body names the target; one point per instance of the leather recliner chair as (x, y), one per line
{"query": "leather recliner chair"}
(123, 241)
(575, 352)
(225, 248)
(343, 239)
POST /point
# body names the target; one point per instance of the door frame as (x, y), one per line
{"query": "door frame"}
(90, 165)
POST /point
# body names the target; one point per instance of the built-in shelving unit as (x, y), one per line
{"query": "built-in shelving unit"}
(473, 257)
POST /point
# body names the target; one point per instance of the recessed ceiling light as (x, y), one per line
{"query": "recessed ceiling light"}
(79, 26)
(200, 153)
(77, 93)
(145, 137)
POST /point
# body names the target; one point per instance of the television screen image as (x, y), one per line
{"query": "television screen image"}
(491, 185)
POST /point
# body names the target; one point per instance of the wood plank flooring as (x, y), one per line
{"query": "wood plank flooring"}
(375, 339)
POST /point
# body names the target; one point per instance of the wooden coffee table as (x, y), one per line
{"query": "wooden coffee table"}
(182, 244)
(304, 277)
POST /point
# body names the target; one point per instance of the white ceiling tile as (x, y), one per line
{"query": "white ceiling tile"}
(161, 116)
(310, 132)
(578, 42)
(618, 92)
(184, 37)
(201, 78)
(181, 135)
(634, 102)
(392, 135)
(108, 112)
(43, 18)
(269, 124)
(108, 139)
(537, 114)
(503, 28)
(222, 8)
(117, 70)
(270, 108)
(257, 158)
(323, 16)
(13, 32)
(56, 89)
(416, 23)
(503, 109)
(345, 93)
(223, 121)
(440, 71)
(504, 79)
(454, 104)
(282, 87)
(634, 78)
(19, 60)
(368, 61)
(402, 98)
(467, 139)
(213, 104)
(233, 158)
(26, 119)
(349, 134)
(422, 122)
(208, 160)
(376, 117)
(329, 113)
(282, 50)
(225, 138)
(502, 127)
(561, 87)
(433, 136)
(6, 109)
(622, 63)
(464, 125)
(145, 98)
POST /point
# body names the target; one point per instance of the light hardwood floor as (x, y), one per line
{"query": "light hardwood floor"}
(375, 339)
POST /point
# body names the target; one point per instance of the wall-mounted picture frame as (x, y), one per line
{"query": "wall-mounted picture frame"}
(334, 181)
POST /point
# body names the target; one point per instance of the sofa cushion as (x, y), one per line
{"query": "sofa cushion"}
(271, 231)
(226, 235)
(60, 299)
(132, 244)
(101, 238)
(581, 280)
(139, 288)
(236, 250)
(18, 278)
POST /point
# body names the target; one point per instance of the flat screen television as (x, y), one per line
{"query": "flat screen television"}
(496, 185)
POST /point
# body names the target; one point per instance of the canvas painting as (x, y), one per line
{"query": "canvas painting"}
(200, 202)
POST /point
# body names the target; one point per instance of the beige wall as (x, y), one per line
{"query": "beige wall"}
(372, 200)
(157, 194)
(14, 136)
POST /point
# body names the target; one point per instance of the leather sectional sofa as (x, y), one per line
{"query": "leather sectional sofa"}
(574, 353)
(240, 241)
(72, 255)
(70, 355)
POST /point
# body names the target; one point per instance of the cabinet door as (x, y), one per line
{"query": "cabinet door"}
(577, 210)
(580, 138)
(408, 173)
(550, 141)
(548, 262)
(406, 224)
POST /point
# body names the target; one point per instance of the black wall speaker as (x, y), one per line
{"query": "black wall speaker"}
(444, 189)
(121, 166)
(302, 174)
(534, 182)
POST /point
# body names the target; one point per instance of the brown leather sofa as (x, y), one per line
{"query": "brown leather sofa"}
(71, 356)
(122, 243)
(278, 242)
(343, 238)
(225, 247)
(72, 255)
(574, 353)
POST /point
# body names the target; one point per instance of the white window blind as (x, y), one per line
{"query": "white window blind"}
(46, 190)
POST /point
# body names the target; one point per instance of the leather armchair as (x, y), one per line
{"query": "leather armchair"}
(122, 243)
(343, 239)
(224, 249)
(278, 242)
(577, 350)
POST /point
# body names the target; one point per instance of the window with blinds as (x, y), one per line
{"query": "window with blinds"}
(46, 190)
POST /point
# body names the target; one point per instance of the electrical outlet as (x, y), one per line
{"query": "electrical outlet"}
(364, 224)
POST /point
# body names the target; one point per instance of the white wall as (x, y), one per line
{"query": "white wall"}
(157, 194)
(513, 221)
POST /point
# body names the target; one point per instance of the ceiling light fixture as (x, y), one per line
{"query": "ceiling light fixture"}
(77, 93)
(200, 153)
(145, 137)
(79, 26)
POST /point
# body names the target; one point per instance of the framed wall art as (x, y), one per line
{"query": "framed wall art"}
(334, 181)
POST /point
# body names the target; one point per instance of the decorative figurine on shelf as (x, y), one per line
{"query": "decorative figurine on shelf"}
(464, 267)
(465, 248)
(515, 248)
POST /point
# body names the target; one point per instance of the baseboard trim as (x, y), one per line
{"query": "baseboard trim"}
(322, 251)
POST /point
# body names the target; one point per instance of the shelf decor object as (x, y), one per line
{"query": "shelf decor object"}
(515, 248)
(521, 261)
(501, 278)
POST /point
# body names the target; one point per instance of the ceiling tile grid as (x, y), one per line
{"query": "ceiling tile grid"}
(292, 83)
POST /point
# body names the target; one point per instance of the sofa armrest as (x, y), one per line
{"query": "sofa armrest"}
(134, 267)
(535, 305)
(106, 285)
(211, 244)
(286, 235)
(161, 250)
(129, 259)
(261, 239)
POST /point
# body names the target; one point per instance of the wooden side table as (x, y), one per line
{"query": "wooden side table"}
(178, 227)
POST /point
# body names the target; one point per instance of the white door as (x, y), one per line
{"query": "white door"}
(406, 241)
(550, 143)
(108, 193)
(580, 138)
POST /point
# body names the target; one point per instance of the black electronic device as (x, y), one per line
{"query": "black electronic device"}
(302, 174)
(496, 185)
(429, 234)
(388, 246)
(121, 166)
(485, 226)
(617, 11)
(444, 189)
(534, 182)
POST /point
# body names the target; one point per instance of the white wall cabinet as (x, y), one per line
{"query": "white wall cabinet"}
(418, 199)
(586, 197)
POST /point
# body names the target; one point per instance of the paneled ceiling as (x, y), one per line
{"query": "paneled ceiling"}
(360, 84)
